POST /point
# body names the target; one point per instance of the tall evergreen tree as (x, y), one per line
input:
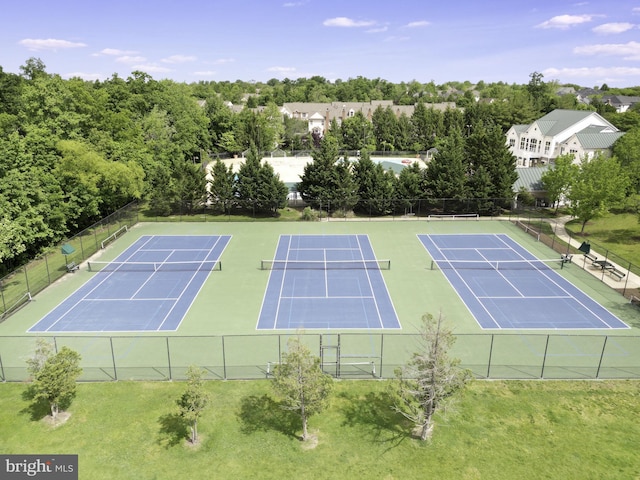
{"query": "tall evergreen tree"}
(375, 187)
(446, 175)
(221, 186)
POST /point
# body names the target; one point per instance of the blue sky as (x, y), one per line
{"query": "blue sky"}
(587, 43)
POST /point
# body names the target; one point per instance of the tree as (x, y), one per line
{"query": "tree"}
(408, 187)
(446, 173)
(486, 147)
(600, 183)
(301, 383)
(316, 180)
(54, 376)
(357, 133)
(193, 401)
(430, 378)
(258, 187)
(558, 179)
(627, 150)
(221, 186)
(375, 186)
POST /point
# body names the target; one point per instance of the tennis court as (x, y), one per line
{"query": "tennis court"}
(326, 281)
(504, 286)
(149, 287)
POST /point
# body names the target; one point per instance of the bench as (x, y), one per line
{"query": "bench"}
(591, 257)
(617, 273)
(566, 258)
(72, 267)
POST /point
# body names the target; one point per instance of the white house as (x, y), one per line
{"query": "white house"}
(579, 132)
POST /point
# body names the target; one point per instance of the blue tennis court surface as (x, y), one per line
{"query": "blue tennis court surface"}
(526, 294)
(149, 287)
(326, 281)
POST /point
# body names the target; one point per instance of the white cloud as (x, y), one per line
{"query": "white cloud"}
(347, 22)
(598, 72)
(565, 21)
(629, 51)
(394, 38)
(613, 28)
(49, 44)
(378, 30)
(116, 52)
(179, 59)
(635, 11)
(222, 61)
(282, 70)
(294, 4)
(130, 59)
(151, 68)
(84, 76)
(205, 74)
(418, 24)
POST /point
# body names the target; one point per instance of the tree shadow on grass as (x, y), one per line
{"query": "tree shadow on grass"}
(374, 412)
(39, 409)
(262, 413)
(173, 430)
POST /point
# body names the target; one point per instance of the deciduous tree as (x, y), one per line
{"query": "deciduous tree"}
(429, 380)
(54, 376)
(193, 401)
(301, 383)
(600, 183)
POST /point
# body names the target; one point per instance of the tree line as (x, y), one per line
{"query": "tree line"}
(73, 151)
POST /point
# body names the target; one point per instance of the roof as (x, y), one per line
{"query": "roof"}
(530, 179)
(592, 138)
(560, 120)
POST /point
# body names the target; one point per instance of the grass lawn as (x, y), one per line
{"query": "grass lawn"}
(499, 430)
(619, 233)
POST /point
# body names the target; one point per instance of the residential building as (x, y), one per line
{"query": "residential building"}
(578, 132)
(320, 115)
(621, 103)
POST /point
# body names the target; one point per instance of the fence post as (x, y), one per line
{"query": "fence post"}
(381, 355)
(2, 377)
(113, 360)
(26, 277)
(490, 356)
(544, 358)
(169, 358)
(604, 345)
(224, 360)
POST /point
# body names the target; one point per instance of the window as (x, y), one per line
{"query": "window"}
(533, 145)
(547, 147)
(512, 142)
(523, 141)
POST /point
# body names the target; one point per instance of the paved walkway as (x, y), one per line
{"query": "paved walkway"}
(631, 280)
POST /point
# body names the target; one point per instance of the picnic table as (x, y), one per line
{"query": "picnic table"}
(603, 264)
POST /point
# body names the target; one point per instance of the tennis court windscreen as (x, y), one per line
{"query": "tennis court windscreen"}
(325, 265)
(554, 264)
(194, 266)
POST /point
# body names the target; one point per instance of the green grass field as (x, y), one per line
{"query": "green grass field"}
(498, 430)
(219, 330)
(618, 233)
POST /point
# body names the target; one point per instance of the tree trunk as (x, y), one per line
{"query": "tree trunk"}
(305, 434)
(194, 432)
(54, 410)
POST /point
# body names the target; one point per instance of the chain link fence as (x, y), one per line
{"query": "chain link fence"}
(344, 355)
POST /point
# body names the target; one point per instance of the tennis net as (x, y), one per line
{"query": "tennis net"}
(325, 265)
(189, 266)
(554, 264)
